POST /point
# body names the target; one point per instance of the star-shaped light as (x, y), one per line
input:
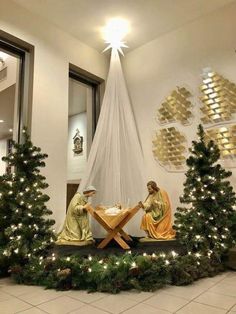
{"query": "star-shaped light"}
(117, 46)
(114, 32)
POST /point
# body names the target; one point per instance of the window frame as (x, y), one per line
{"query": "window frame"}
(97, 85)
(19, 48)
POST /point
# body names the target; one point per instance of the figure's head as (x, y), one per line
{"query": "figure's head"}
(89, 191)
(152, 187)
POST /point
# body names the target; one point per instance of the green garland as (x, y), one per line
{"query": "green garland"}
(199, 229)
(115, 273)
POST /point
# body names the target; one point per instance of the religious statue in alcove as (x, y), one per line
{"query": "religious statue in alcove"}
(78, 143)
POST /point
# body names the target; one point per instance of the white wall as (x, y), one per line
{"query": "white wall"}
(54, 50)
(175, 59)
(3, 151)
(76, 163)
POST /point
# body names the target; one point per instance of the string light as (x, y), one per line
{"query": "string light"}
(174, 254)
(133, 264)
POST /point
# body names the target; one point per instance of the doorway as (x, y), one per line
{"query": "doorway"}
(83, 113)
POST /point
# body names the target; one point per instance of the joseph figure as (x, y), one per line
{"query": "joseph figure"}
(76, 229)
(156, 221)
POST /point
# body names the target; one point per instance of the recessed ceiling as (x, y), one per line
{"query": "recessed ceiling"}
(149, 19)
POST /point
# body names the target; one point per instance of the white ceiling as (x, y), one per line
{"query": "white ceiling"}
(148, 18)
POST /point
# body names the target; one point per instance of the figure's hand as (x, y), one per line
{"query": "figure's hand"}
(141, 204)
(86, 206)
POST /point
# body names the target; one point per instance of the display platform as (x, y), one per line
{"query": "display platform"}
(136, 246)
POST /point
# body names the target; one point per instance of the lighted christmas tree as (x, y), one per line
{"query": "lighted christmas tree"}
(205, 224)
(25, 230)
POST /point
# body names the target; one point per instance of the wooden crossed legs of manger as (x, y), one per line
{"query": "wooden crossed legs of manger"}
(114, 224)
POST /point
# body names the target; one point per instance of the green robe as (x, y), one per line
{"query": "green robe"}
(76, 229)
(156, 205)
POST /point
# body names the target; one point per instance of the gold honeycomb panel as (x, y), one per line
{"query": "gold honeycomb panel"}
(218, 99)
(176, 107)
(169, 147)
(225, 138)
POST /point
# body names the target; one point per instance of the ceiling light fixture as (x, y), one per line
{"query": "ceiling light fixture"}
(3, 57)
(114, 32)
(1, 121)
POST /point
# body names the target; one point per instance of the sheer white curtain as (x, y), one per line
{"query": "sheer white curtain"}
(115, 164)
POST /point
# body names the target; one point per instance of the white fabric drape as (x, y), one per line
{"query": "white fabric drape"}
(115, 164)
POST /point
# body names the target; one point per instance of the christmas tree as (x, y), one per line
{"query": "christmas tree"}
(25, 230)
(205, 224)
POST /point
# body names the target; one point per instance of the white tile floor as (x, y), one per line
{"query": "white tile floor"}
(215, 295)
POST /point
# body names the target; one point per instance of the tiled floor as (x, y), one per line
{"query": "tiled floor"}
(207, 296)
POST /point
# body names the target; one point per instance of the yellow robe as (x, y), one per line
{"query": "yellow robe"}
(157, 220)
(76, 229)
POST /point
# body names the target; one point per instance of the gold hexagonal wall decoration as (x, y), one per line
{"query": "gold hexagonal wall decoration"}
(225, 138)
(218, 99)
(176, 107)
(169, 147)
